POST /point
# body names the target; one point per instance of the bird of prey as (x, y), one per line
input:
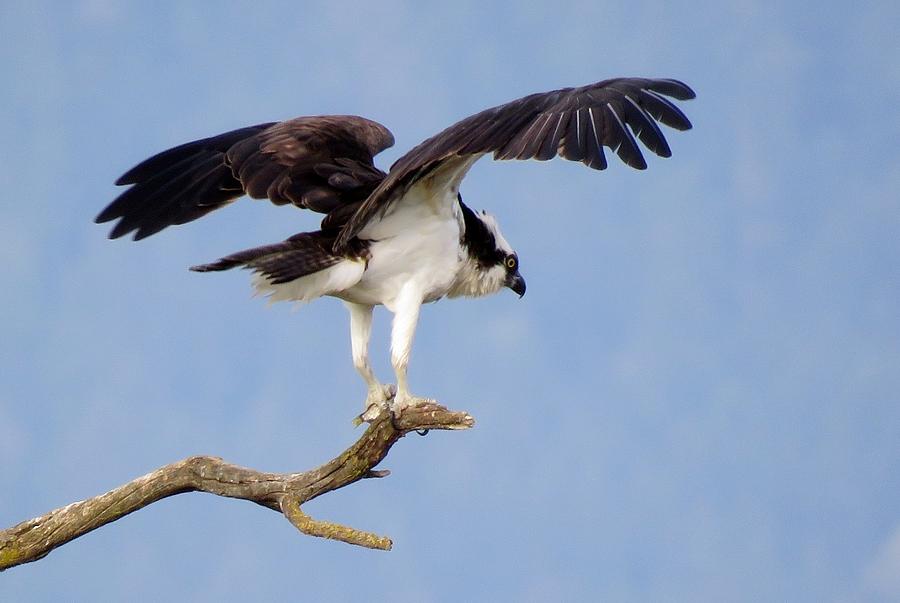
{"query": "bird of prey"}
(400, 238)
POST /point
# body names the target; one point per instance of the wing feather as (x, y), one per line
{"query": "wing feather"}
(574, 123)
(325, 163)
(595, 157)
(573, 143)
(550, 146)
(624, 144)
(645, 128)
(318, 163)
(663, 110)
(535, 136)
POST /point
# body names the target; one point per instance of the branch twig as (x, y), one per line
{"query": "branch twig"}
(283, 492)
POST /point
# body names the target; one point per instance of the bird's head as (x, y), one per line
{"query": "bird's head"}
(492, 262)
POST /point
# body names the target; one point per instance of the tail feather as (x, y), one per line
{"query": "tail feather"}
(298, 256)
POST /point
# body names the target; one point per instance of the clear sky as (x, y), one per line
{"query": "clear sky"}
(697, 400)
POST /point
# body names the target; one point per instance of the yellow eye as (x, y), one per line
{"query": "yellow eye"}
(511, 262)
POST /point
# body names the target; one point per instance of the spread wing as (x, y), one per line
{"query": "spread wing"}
(320, 163)
(574, 123)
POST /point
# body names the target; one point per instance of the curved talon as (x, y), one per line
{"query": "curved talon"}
(422, 432)
(378, 401)
(389, 391)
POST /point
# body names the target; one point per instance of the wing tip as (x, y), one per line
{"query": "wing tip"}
(677, 89)
(685, 126)
(123, 228)
(119, 230)
(110, 212)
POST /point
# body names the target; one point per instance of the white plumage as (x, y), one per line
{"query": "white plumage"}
(416, 257)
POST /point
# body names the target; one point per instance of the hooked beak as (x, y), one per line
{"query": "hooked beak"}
(515, 282)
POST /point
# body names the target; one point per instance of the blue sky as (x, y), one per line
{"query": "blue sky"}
(697, 399)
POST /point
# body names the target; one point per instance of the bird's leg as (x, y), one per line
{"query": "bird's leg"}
(406, 316)
(360, 331)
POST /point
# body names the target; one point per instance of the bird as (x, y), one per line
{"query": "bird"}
(400, 238)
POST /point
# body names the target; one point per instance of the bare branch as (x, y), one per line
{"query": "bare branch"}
(290, 506)
(283, 492)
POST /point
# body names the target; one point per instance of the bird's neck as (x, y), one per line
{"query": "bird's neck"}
(480, 272)
(474, 280)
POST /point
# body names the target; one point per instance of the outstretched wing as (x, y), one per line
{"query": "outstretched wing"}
(319, 163)
(574, 123)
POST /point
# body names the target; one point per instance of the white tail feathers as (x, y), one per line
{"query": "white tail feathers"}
(334, 279)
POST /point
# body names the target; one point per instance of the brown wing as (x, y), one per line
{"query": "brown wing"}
(320, 163)
(574, 123)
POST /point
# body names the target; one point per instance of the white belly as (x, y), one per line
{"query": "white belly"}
(416, 244)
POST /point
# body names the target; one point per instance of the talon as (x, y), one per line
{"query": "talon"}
(422, 432)
(401, 403)
(378, 401)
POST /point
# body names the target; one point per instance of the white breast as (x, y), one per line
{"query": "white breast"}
(416, 243)
(415, 248)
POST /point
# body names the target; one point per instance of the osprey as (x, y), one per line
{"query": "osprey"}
(398, 239)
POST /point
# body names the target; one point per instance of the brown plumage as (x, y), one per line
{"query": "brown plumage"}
(325, 163)
(318, 163)
(575, 123)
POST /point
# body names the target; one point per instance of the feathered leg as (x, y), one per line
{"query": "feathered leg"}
(360, 331)
(406, 316)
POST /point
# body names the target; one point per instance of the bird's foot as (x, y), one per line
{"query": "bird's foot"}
(378, 400)
(402, 402)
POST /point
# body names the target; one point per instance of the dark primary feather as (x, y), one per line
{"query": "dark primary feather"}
(574, 123)
(326, 164)
(319, 163)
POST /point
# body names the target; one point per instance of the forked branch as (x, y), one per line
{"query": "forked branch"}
(283, 492)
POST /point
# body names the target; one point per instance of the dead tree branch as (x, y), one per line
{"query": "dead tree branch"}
(283, 492)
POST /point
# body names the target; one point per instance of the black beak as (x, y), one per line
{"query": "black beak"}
(515, 282)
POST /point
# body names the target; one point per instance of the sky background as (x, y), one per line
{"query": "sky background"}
(697, 400)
